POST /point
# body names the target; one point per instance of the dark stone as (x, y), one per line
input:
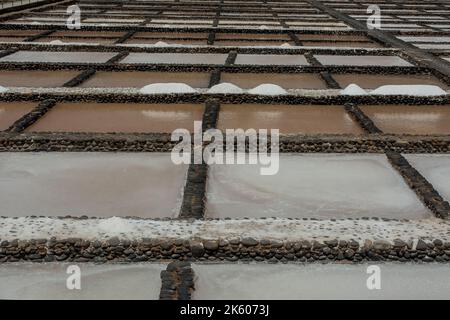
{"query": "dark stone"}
(211, 245)
(197, 250)
(399, 243)
(114, 241)
(249, 242)
(349, 253)
(331, 243)
(421, 245)
(381, 245)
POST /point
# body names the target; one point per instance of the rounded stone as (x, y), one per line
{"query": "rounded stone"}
(211, 245)
(249, 242)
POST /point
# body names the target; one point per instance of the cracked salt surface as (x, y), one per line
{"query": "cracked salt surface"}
(93, 184)
(319, 186)
(313, 281)
(45, 281)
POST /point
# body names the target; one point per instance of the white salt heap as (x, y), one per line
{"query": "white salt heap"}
(353, 90)
(225, 88)
(268, 89)
(162, 88)
(161, 44)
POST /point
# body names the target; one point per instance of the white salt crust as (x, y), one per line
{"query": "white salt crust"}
(26, 228)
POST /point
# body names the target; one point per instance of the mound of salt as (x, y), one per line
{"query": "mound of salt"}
(353, 90)
(161, 44)
(161, 88)
(225, 88)
(268, 89)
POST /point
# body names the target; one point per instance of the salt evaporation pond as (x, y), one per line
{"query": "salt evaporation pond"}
(10, 112)
(425, 119)
(175, 58)
(35, 78)
(91, 183)
(319, 186)
(70, 57)
(271, 59)
(361, 60)
(119, 117)
(306, 119)
(315, 281)
(47, 281)
(435, 168)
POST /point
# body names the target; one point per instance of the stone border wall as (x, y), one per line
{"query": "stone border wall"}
(177, 281)
(227, 250)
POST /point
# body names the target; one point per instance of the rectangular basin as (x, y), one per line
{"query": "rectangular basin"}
(175, 58)
(47, 281)
(362, 60)
(315, 281)
(13, 111)
(435, 168)
(61, 57)
(271, 59)
(305, 119)
(119, 117)
(35, 78)
(312, 185)
(146, 185)
(410, 119)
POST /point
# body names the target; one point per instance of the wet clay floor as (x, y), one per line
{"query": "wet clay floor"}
(306, 119)
(35, 78)
(12, 111)
(410, 119)
(117, 117)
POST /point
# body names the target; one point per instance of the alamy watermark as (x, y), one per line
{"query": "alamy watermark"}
(73, 282)
(73, 22)
(235, 146)
(373, 282)
(374, 20)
